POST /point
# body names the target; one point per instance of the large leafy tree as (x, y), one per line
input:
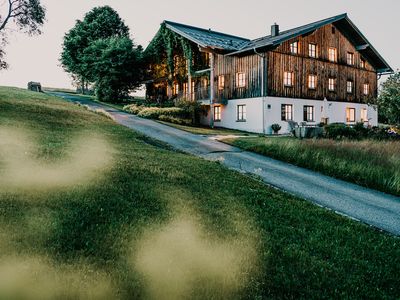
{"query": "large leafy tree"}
(100, 23)
(26, 15)
(114, 66)
(389, 100)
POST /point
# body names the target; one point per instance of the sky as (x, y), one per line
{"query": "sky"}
(37, 58)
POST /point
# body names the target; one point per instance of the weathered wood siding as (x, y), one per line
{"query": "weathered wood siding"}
(281, 60)
(229, 66)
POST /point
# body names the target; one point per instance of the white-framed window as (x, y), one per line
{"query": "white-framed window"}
(350, 115)
(366, 89)
(364, 115)
(332, 54)
(312, 82)
(349, 86)
(287, 112)
(288, 78)
(240, 79)
(332, 84)
(217, 113)
(241, 113)
(350, 58)
(362, 63)
(221, 82)
(294, 47)
(308, 115)
(312, 50)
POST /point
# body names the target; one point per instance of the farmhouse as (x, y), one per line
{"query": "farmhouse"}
(326, 71)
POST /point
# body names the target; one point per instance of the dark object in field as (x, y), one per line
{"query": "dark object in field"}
(35, 86)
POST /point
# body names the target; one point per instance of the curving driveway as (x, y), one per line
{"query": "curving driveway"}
(369, 206)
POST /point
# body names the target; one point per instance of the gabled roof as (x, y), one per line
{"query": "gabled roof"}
(208, 38)
(234, 45)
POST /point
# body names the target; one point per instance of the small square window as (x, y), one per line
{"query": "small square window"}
(241, 113)
(288, 78)
(240, 80)
(294, 48)
(312, 50)
(332, 84)
(312, 82)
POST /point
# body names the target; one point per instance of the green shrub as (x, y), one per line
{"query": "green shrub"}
(156, 112)
(276, 127)
(133, 108)
(170, 119)
(339, 130)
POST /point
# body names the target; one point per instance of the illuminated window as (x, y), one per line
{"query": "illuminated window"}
(366, 89)
(308, 115)
(221, 82)
(241, 113)
(362, 63)
(217, 113)
(350, 114)
(185, 88)
(294, 47)
(312, 82)
(240, 80)
(176, 89)
(288, 78)
(364, 115)
(332, 54)
(287, 112)
(349, 86)
(193, 91)
(332, 84)
(350, 58)
(205, 82)
(312, 50)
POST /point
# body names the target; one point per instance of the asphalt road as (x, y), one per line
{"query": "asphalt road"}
(369, 206)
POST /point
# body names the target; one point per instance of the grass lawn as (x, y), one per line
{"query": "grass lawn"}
(207, 130)
(148, 222)
(374, 164)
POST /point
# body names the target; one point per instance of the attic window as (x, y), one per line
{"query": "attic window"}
(294, 47)
(332, 53)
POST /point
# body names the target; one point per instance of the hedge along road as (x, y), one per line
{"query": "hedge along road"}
(366, 205)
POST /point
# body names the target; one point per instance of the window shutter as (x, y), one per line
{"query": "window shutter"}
(283, 112)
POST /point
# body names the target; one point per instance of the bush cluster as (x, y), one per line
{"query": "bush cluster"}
(359, 131)
(170, 119)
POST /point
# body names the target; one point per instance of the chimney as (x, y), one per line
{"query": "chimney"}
(275, 30)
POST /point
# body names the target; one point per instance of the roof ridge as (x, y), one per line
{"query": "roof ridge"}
(206, 30)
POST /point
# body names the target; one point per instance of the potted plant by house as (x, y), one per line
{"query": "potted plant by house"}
(276, 128)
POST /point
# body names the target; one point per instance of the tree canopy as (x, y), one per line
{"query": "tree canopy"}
(27, 15)
(389, 100)
(99, 50)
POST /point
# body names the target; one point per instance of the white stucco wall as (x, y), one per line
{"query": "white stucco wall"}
(334, 111)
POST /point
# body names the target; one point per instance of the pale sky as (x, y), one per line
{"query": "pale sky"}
(36, 58)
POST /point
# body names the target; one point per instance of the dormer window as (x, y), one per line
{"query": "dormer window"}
(332, 54)
(294, 48)
(350, 58)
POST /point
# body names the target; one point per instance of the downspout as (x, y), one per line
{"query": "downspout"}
(262, 55)
(212, 90)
